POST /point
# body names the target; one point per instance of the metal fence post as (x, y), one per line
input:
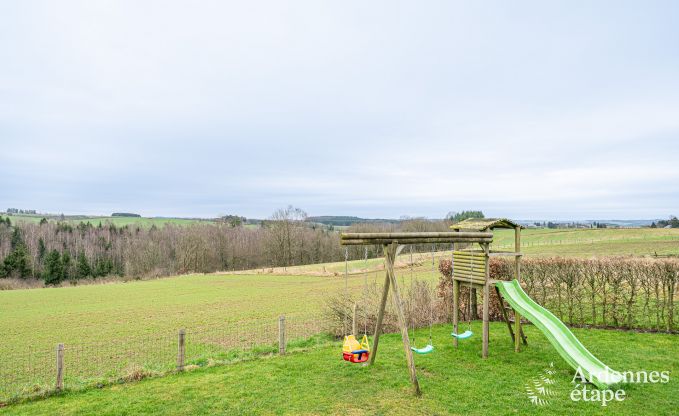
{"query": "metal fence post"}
(281, 335)
(60, 367)
(181, 349)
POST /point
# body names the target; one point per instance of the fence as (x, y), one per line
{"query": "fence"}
(44, 371)
(611, 292)
(537, 241)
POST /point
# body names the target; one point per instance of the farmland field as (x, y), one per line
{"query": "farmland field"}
(118, 221)
(35, 320)
(44, 317)
(317, 381)
(585, 242)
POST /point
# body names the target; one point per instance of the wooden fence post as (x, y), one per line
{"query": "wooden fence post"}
(281, 335)
(60, 367)
(181, 349)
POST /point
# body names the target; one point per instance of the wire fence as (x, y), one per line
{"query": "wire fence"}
(538, 242)
(40, 372)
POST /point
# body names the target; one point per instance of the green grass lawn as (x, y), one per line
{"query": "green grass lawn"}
(317, 381)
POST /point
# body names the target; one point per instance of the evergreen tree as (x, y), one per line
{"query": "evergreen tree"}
(66, 265)
(41, 249)
(18, 261)
(54, 270)
(461, 216)
(102, 267)
(16, 239)
(82, 268)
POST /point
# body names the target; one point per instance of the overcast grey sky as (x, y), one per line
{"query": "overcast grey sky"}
(380, 109)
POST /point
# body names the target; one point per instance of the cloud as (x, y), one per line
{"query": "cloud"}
(525, 110)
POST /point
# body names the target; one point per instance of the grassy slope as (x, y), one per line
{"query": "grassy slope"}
(593, 242)
(118, 221)
(44, 317)
(84, 314)
(454, 382)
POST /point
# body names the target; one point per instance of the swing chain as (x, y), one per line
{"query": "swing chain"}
(471, 267)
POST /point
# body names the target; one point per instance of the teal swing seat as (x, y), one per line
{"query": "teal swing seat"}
(426, 350)
(466, 334)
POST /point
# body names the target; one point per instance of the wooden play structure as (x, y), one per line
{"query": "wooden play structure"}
(470, 268)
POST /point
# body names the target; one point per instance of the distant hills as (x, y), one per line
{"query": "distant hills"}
(330, 220)
(339, 220)
(345, 220)
(614, 223)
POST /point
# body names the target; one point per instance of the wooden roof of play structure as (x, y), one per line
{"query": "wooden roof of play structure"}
(483, 224)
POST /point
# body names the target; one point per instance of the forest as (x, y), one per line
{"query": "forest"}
(55, 252)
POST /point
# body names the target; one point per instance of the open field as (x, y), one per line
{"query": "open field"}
(587, 242)
(89, 316)
(44, 317)
(118, 221)
(317, 381)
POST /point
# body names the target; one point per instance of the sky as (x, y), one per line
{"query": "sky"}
(526, 110)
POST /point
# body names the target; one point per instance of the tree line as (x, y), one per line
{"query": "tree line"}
(64, 251)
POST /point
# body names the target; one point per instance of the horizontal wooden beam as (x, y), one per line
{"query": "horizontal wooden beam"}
(464, 275)
(465, 262)
(476, 255)
(474, 282)
(478, 259)
(430, 240)
(465, 269)
(405, 235)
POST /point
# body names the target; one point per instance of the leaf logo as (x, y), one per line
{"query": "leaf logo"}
(537, 390)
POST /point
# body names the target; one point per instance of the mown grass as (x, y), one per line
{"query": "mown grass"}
(317, 381)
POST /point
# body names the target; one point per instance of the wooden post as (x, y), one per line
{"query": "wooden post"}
(60, 367)
(392, 252)
(380, 316)
(181, 349)
(353, 321)
(456, 309)
(281, 335)
(517, 276)
(456, 295)
(486, 302)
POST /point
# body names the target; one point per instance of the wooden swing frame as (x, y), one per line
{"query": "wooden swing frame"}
(393, 243)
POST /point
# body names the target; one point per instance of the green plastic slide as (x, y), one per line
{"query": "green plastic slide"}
(560, 336)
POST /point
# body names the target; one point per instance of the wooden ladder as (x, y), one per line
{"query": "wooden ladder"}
(505, 315)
